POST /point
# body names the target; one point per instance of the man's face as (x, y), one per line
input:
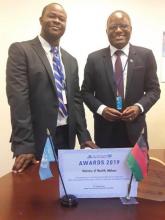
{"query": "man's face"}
(119, 30)
(53, 23)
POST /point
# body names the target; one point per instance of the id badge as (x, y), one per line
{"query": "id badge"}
(119, 103)
(64, 96)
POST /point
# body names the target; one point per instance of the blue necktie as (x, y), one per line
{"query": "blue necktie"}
(119, 74)
(59, 80)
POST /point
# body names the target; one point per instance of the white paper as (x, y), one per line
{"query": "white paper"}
(99, 173)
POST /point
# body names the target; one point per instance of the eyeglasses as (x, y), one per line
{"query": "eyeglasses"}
(121, 26)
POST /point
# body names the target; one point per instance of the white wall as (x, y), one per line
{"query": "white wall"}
(85, 33)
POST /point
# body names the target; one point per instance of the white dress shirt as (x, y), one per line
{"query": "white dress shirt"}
(124, 60)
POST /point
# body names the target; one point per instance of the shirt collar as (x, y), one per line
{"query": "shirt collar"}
(46, 45)
(124, 49)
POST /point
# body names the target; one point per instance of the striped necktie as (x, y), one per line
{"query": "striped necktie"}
(59, 80)
(119, 74)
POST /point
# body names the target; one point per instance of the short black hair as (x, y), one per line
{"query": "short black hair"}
(44, 9)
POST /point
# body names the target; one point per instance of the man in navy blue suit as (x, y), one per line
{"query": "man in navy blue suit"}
(119, 119)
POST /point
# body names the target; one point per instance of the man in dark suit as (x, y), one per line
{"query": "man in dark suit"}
(120, 87)
(33, 97)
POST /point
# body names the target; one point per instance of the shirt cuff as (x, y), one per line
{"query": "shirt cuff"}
(140, 106)
(100, 109)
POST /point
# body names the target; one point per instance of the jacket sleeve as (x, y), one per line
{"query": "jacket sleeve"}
(151, 83)
(17, 87)
(81, 126)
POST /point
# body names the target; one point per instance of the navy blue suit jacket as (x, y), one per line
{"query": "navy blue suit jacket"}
(99, 87)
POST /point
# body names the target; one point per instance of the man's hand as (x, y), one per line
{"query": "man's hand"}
(88, 144)
(111, 114)
(23, 161)
(131, 113)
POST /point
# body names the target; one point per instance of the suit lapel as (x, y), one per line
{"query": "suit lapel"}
(109, 68)
(41, 53)
(131, 64)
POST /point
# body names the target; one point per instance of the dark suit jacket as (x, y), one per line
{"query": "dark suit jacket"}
(33, 100)
(99, 87)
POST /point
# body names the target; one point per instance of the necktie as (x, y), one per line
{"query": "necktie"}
(119, 74)
(59, 80)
